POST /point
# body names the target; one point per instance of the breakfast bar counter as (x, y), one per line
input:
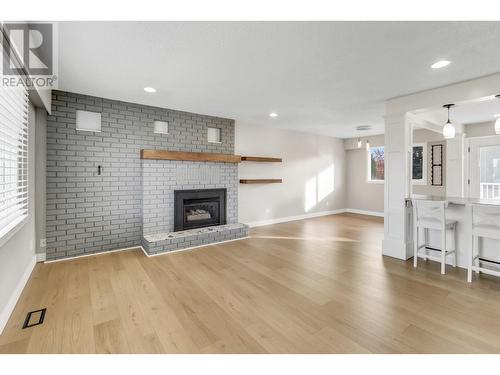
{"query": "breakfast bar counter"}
(459, 209)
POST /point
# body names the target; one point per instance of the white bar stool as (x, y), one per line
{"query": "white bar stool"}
(486, 224)
(432, 215)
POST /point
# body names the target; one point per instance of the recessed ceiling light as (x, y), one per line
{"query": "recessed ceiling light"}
(149, 89)
(440, 64)
(273, 114)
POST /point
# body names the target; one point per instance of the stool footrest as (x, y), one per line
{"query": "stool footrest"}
(434, 258)
(487, 260)
(434, 249)
(430, 257)
(486, 271)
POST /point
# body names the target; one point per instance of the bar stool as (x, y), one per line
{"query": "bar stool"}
(485, 224)
(431, 215)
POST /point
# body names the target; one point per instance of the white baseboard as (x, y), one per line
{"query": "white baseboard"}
(294, 218)
(364, 212)
(90, 255)
(41, 257)
(16, 293)
(138, 247)
(312, 215)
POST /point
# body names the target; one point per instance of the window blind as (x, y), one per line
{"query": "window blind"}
(13, 157)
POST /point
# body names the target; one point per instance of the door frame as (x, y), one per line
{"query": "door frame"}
(468, 174)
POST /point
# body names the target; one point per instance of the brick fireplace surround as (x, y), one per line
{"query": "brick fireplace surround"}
(131, 202)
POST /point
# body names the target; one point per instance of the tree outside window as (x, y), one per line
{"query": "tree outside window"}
(376, 155)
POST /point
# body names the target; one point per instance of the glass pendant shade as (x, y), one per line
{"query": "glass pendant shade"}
(448, 130)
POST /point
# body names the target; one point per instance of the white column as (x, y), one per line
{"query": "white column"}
(397, 218)
(455, 166)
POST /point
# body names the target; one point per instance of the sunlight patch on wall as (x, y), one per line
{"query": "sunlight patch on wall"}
(319, 187)
(326, 182)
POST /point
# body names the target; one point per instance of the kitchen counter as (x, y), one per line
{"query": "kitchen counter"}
(458, 200)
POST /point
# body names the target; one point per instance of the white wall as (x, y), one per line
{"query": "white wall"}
(361, 194)
(481, 129)
(313, 173)
(17, 255)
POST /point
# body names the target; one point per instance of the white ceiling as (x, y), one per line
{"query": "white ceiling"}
(476, 112)
(320, 77)
(465, 113)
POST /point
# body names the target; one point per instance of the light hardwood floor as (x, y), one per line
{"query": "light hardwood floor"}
(310, 286)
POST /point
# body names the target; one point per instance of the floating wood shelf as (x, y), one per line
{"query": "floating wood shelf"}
(261, 181)
(261, 159)
(189, 156)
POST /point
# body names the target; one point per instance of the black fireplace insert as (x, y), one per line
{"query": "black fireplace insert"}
(199, 208)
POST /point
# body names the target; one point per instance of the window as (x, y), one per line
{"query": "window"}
(489, 172)
(376, 164)
(419, 164)
(13, 158)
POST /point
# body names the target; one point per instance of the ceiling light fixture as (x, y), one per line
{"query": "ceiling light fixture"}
(149, 89)
(359, 143)
(440, 64)
(448, 128)
(497, 122)
(273, 115)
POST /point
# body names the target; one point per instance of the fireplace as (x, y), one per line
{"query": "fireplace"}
(199, 208)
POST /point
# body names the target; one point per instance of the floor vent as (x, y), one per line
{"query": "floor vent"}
(34, 318)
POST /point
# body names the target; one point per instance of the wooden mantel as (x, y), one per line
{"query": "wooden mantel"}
(262, 159)
(189, 156)
(261, 181)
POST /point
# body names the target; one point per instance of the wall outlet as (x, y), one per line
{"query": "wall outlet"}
(43, 242)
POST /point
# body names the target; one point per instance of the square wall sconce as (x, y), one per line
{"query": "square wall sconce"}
(213, 135)
(161, 127)
(88, 121)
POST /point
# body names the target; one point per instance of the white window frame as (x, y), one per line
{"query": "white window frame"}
(369, 166)
(423, 180)
(17, 222)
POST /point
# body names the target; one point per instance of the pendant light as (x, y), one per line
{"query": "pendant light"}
(359, 143)
(448, 128)
(497, 122)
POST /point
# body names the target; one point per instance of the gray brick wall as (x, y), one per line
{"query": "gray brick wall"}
(87, 213)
